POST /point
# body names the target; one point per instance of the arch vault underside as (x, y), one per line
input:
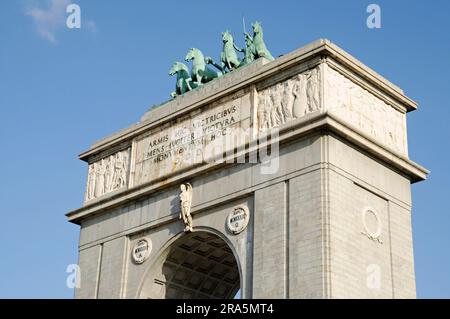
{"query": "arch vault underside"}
(197, 265)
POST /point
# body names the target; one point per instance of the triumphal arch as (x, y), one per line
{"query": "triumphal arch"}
(283, 177)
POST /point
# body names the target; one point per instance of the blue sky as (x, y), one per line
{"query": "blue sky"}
(62, 89)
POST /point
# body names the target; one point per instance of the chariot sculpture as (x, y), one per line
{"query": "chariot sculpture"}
(201, 73)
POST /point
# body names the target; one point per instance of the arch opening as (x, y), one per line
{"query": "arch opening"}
(196, 265)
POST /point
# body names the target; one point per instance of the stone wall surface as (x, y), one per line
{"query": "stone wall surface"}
(326, 213)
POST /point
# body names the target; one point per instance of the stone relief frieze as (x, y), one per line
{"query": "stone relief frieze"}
(289, 100)
(192, 140)
(107, 175)
(365, 111)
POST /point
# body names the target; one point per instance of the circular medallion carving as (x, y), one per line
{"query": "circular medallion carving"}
(141, 250)
(238, 219)
(371, 224)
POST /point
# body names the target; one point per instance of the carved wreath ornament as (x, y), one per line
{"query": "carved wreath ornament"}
(373, 234)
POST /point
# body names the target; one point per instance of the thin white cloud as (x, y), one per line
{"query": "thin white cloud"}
(48, 19)
(50, 16)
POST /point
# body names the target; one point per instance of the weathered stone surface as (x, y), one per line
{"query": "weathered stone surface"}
(185, 141)
(367, 113)
(270, 235)
(329, 212)
(108, 174)
(290, 99)
(89, 262)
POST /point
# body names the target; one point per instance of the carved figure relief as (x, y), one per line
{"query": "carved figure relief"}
(120, 176)
(185, 206)
(107, 175)
(90, 184)
(99, 178)
(312, 90)
(289, 100)
(352, 103)
(300, 103)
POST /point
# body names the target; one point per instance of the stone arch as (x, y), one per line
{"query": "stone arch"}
(200, 264)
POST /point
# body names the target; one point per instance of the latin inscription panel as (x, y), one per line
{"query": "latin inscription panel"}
(191, 140)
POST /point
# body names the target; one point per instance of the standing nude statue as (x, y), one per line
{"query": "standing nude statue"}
(185, 205)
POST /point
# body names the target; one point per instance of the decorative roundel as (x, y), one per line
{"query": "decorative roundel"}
(238, 219)
(371, 224)
(141, 250)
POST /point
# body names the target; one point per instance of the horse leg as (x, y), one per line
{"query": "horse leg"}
(188, 84)
(180, 87)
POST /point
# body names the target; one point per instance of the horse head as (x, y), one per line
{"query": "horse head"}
(227, 37)
(192, 54)
(257, 28)
(177, 67)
